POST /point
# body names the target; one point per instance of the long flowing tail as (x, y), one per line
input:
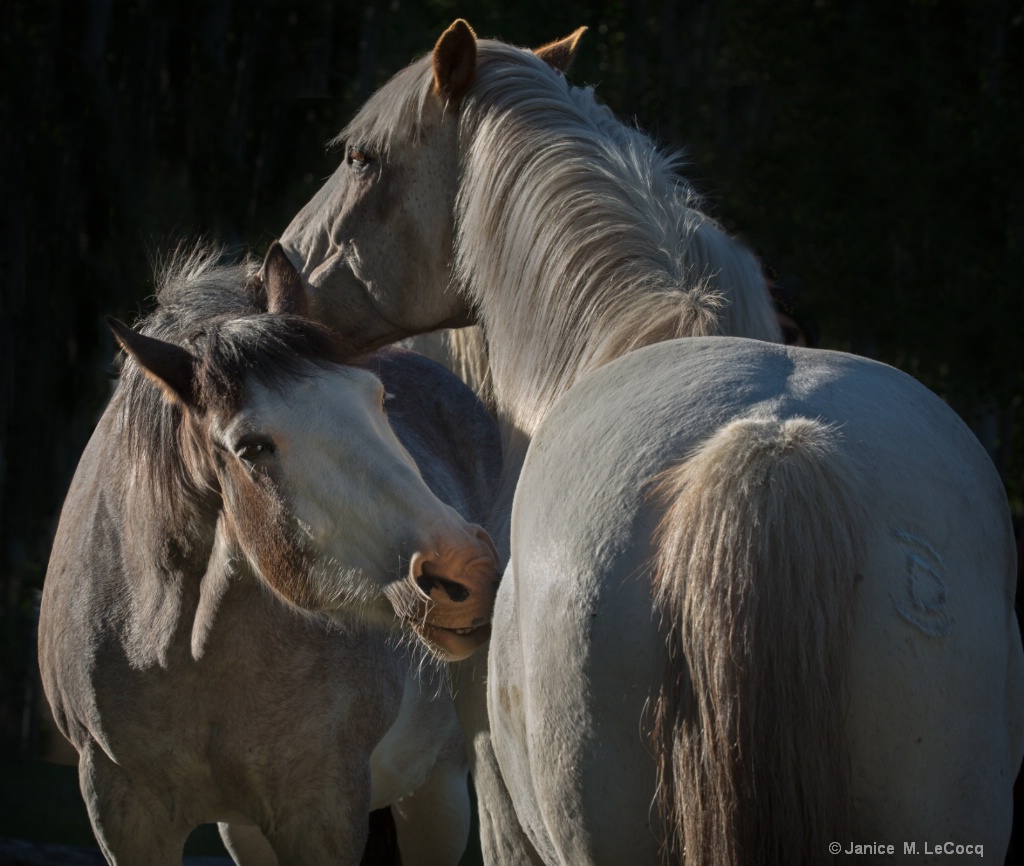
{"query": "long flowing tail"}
(755, 583)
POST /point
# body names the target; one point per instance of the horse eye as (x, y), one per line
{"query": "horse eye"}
(357, 157)
(251, 450)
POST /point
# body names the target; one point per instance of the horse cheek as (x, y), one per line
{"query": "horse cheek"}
(265, 536)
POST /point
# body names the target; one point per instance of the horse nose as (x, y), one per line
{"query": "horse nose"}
(455, 572)
(448, 595)
(481, 535)
(430, 584)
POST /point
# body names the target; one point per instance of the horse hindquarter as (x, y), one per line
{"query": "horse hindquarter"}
(833, 559)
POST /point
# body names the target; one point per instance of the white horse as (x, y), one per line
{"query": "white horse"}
(245, 532)
(759, 600)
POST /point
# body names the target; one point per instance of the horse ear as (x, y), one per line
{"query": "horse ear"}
(170, 366)
(285, 292)
(455, 61)
(560, 55)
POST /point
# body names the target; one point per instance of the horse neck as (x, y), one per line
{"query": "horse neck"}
(572, 242)
(166, 534)
(234, 610)
(574, 246)
(195, 595)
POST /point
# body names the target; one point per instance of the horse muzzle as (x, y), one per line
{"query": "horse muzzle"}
(447, 598)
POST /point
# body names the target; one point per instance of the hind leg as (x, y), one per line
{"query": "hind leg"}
(432, 823)
(132, 825)
(934, 718)
(503, 841)
(1015, 695)
(247, 845)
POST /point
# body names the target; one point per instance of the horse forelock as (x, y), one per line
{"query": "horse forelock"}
(394, 114)
(270, 349)
(214, 310)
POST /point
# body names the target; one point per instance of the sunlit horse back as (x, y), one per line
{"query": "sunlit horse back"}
(242, 549)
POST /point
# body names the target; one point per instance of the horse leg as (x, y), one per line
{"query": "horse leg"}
(503, 841)
(1015, 693)
(132, 825)
(247, 845)
(432, 823)
(569, 737)
(330, 828)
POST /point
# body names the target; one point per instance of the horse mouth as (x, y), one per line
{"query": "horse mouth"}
(454, 644)
(451, 616)
(461, 630)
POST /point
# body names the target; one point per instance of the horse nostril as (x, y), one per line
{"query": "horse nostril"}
(455, 591)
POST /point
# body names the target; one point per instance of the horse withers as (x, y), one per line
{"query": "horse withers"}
(249, 524)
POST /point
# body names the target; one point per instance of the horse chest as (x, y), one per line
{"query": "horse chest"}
(423, 732)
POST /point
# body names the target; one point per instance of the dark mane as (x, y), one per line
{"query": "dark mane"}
(218, 312)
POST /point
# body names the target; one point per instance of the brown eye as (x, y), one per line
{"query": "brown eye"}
(357, 157)
(251, 450)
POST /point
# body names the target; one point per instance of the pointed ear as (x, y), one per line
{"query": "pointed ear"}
(560, 55)
(285, 292)
(170, 366)
(455, 62)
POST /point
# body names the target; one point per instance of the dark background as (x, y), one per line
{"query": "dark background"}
(873, 151)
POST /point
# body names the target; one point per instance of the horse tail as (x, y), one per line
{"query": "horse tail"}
(755, 584)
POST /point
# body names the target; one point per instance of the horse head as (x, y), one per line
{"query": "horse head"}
(373, 248)
(318, 495)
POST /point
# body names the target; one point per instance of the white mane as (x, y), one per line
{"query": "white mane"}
(578, 241)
